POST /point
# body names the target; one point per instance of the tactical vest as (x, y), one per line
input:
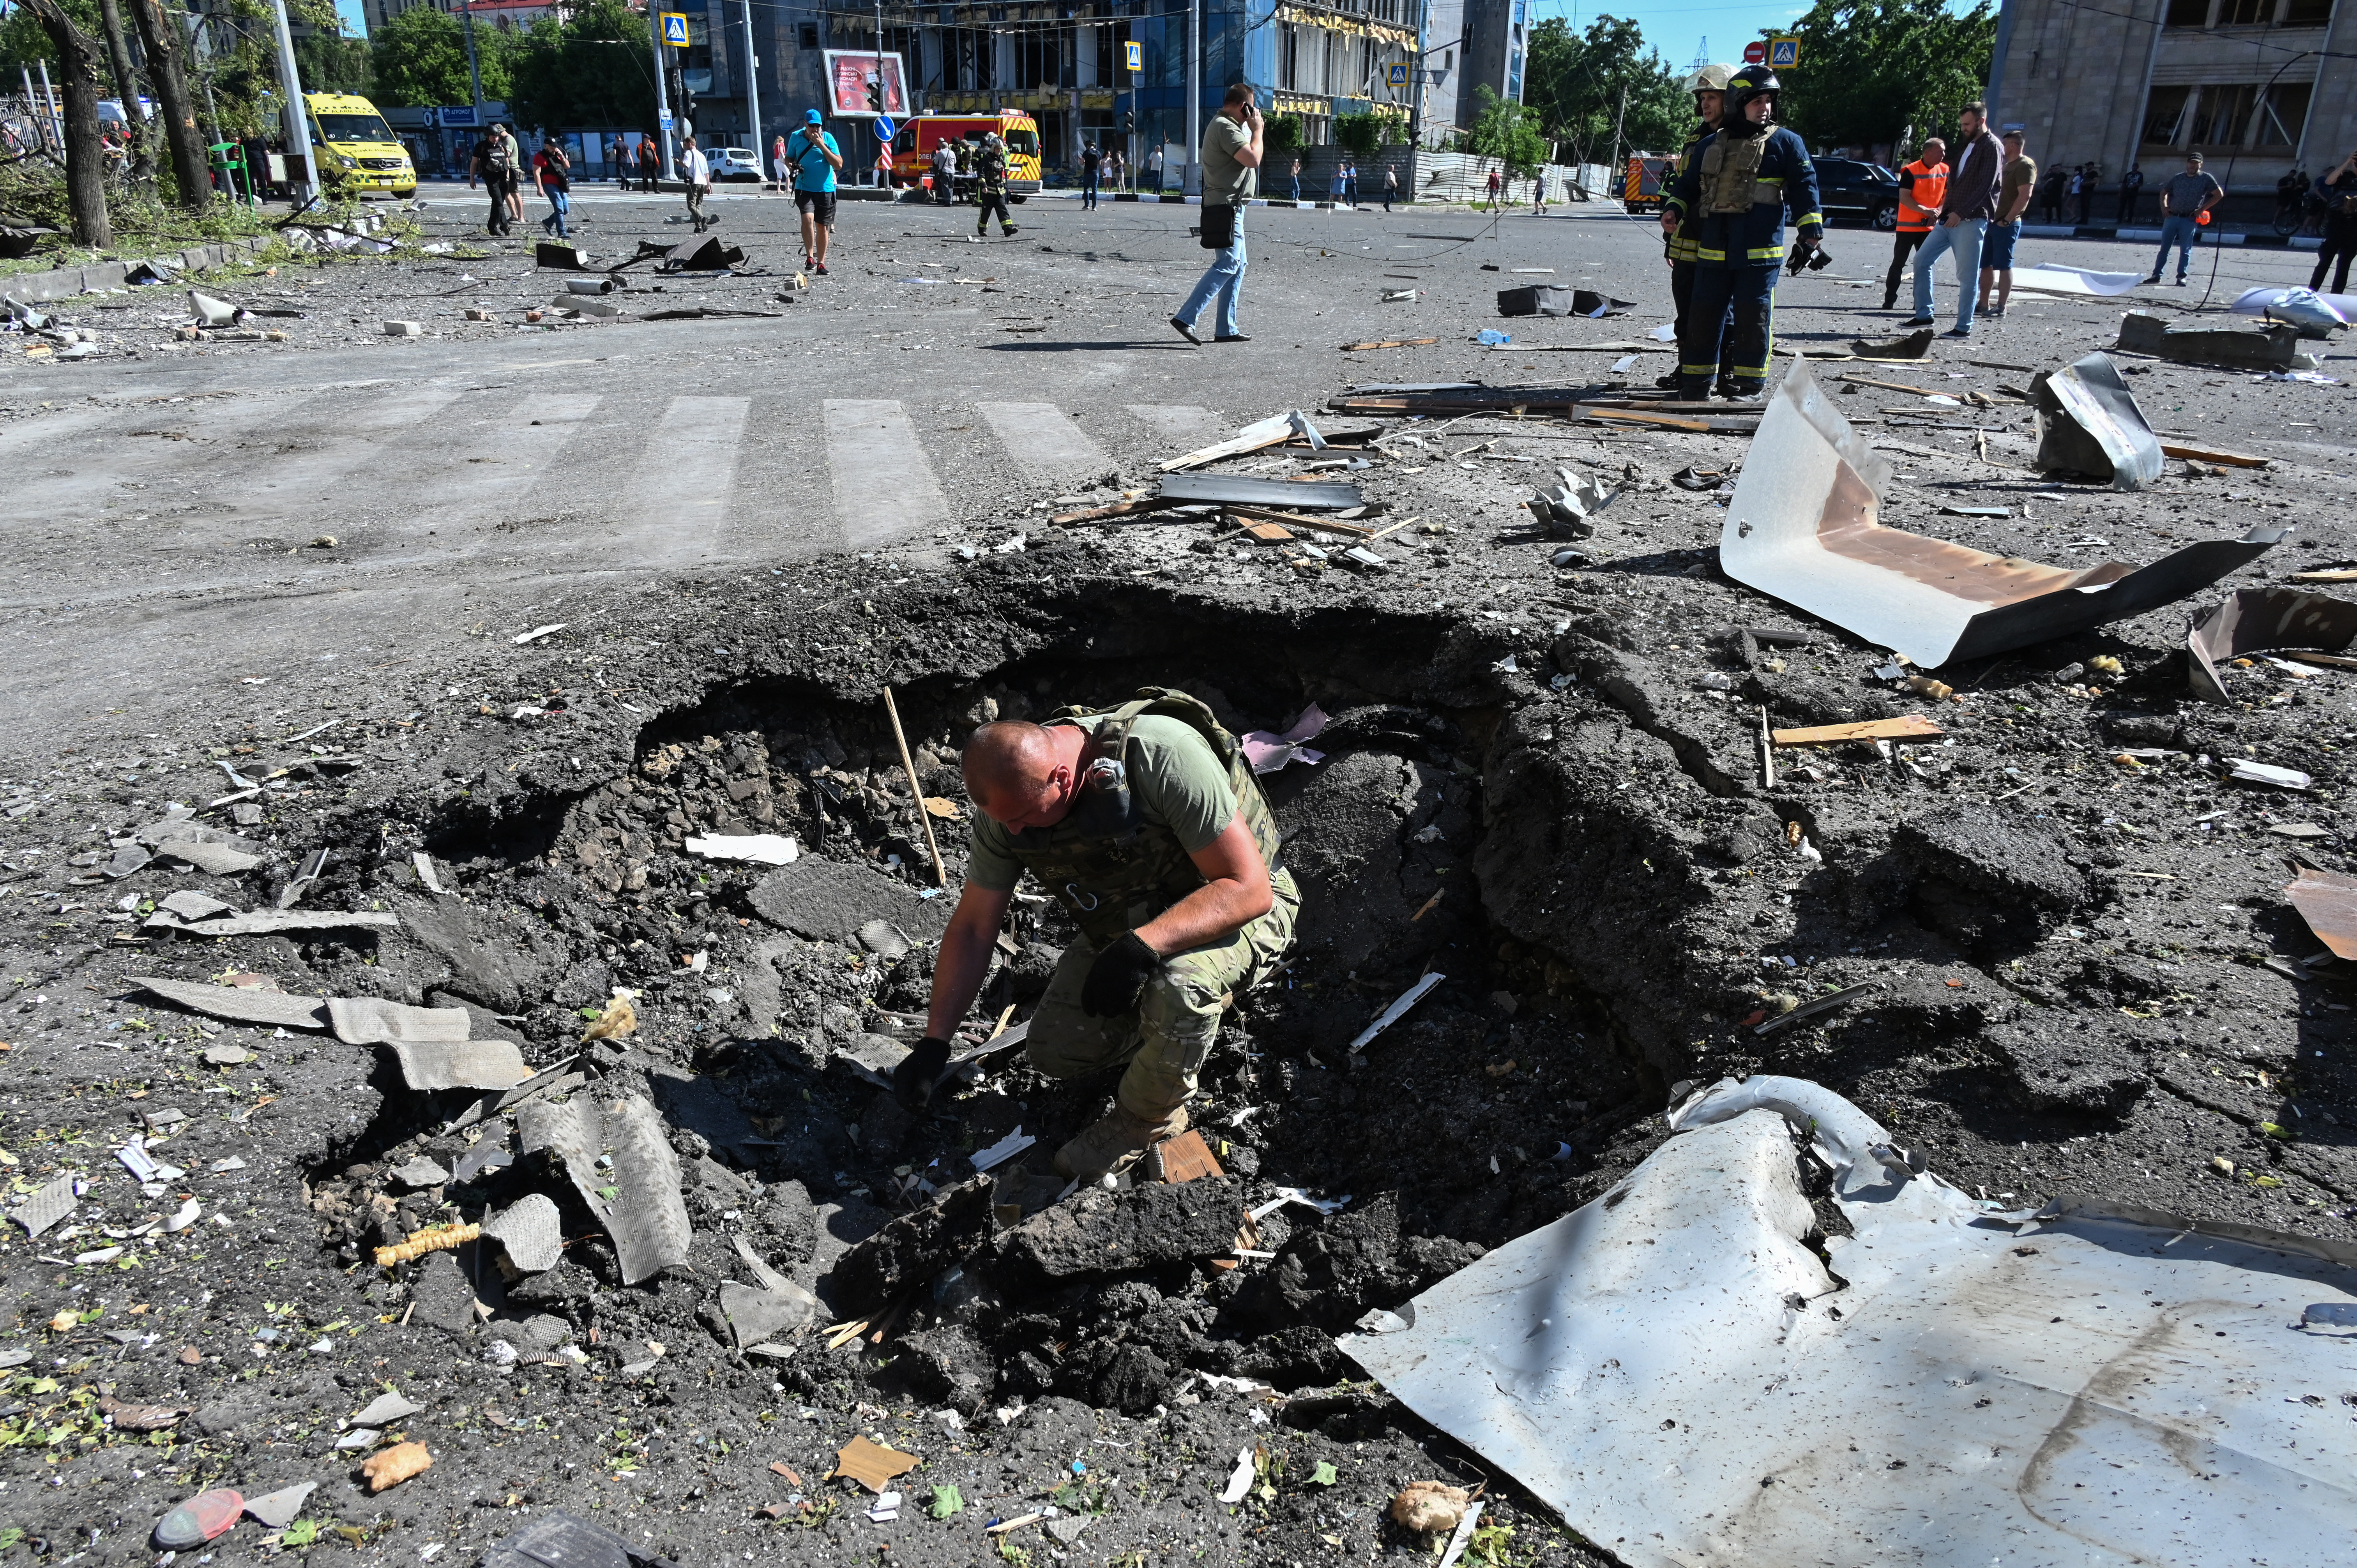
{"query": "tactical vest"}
(1110, 868)
(1730, 176)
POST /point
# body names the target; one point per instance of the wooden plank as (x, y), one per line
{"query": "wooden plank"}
(2327, 574)
(1271, 514)
(1251, 438)
(1185, 1157)
(2330, 661)
(1390, 343)
(1893, 386)
(1911, 726)
(2212, 455)
(1668, 421)
(1269, 532)
(1119, 509)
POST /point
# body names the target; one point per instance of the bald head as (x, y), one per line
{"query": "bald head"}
(1010, 767)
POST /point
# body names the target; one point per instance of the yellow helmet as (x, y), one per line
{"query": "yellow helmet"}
(1710, 79)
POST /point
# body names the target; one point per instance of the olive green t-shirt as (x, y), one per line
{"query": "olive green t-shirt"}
(2020, 175)
(1226, 183)
(1178, 781)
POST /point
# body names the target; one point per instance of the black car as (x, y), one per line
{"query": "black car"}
(1850, 191)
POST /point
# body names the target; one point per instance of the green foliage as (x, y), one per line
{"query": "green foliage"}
(1325, 1475)
(1283, 134)
(334, 64)
(590, 69)
(302, 1533)
(1575, 82)
(1884, 70)
(420, 60)
(947, 1501)
(1508, 133)
(1365, 135)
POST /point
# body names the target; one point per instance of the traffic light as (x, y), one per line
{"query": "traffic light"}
(876, 95)
(1129, 122)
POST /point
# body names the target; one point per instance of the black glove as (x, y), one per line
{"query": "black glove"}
(920, 1070)
(1118, 978)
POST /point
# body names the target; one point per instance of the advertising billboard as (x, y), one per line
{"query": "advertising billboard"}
(848, 83)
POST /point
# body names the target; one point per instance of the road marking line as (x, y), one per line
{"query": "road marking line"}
(883, 482)
(691, 471)
(1043, 435)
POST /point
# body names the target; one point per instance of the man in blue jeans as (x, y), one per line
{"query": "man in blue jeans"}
(1233, 148)
(1965, 214)
(2183, 200)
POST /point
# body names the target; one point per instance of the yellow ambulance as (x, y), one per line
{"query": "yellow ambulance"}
(355, 143)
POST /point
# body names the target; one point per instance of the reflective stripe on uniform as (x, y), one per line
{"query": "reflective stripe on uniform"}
(1705, 253)
(1816, 218)
(1767, 253)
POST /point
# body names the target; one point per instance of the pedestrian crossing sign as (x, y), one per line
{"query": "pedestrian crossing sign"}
(675, 26)
(1783, 54)
(1397, 74)
(1134, 55)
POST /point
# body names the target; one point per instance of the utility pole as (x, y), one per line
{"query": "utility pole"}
(753, 94)
(1194, 92)
(474, 70)
(663, 93)
(296, 119)
(1619, 120)
(876, 175)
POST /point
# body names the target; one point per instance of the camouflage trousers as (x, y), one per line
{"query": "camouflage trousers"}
(1165, 1039)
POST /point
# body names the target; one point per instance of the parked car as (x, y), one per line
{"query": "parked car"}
(1851, 191)
(734, 163)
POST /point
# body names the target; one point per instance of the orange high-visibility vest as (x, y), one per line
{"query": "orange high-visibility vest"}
(1929, 186)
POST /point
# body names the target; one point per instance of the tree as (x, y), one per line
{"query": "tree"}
(1508, 131)
(162, 33)
(331, 61)
(1366, 134)
(589, 69)
(1579, 84)
(138, 132)
(1884, 70)
(420, 60)
(77, 80)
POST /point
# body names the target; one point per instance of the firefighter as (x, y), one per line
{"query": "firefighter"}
(1708, 86)
(990, 186)
(1738, 187)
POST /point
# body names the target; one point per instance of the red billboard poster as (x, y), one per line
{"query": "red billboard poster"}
(849, 78)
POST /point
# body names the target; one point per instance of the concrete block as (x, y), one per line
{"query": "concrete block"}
(405, 329)
(104, 275)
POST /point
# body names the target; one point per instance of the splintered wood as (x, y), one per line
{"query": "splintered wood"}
(433, 1239)
(1909, 727)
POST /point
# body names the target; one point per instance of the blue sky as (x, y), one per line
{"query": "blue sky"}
(1676, 27)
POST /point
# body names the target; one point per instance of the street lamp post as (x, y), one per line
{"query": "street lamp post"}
(662, 92)
(1194, 88)
(296, 120)
(753, 91)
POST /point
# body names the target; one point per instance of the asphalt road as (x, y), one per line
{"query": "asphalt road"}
(166, 502)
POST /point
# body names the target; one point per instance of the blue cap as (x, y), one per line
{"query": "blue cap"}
(810, 117)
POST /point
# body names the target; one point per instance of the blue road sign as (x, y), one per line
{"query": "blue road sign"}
(1783, 54)
(665, 118)
(885, 129)
(463, 114)
(1135, 54)
(675, 26)
(1398, 74)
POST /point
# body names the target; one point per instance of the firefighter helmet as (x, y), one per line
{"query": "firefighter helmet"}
(1752, 81)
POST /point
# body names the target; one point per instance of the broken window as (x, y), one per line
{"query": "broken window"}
(2164, 113)
(2188, 13)
(2222, 113)
(2307, 13)
(2283, 114)
(2245, 13)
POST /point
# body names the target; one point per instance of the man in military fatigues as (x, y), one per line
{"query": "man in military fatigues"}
(1146, 825)
(1709, 85)
(1731, 198)
(990, 186)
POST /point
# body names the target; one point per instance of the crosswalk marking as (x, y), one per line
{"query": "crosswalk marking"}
(1042, 434)
(884, 486)
(686, 478)
(1181, 425)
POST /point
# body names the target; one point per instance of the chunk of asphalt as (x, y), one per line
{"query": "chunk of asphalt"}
(639, 1203)
(1102, 1232)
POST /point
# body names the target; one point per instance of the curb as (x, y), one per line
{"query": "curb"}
(64, 283)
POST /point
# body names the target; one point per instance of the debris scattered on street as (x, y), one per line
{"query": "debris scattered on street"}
(2263, 621)
(761, 849)
(1269, 752)
(1803, 526)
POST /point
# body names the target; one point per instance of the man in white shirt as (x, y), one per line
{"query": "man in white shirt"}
(697, 175)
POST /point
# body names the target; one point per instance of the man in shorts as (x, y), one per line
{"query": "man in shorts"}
(814, 158)
(2019, 179)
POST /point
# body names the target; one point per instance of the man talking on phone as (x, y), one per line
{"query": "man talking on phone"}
(1231, 152)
